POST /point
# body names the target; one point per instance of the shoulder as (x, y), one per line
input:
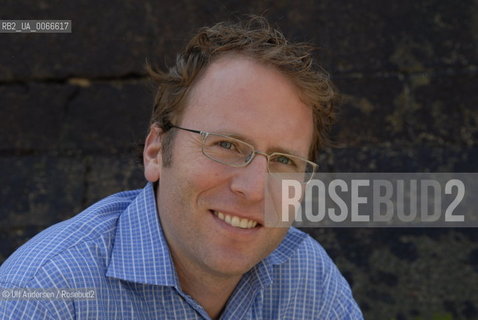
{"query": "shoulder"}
(87, 236)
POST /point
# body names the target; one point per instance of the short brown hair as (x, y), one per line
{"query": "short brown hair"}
(255, 38)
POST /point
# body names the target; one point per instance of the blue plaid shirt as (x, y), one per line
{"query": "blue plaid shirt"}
(118, 248)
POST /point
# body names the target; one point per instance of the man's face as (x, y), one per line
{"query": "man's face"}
(252, 102)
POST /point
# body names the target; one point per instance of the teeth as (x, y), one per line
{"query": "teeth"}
(236, 221)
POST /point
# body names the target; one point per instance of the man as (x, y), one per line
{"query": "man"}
(193, 244)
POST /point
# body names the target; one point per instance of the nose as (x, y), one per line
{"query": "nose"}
(249, 182)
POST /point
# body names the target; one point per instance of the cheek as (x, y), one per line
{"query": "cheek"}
(207, 174)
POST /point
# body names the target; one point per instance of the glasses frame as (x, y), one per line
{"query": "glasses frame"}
(205, 134)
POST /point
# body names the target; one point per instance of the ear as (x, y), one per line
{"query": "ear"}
(152, 158)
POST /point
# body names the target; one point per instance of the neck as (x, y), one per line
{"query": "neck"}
(210, 291)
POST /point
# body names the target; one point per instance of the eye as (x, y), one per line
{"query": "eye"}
(284, 160)
(228, 145)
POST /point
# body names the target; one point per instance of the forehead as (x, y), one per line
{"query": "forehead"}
(239, 95)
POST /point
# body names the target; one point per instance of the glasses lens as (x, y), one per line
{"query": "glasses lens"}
(227, 150)
(289, 164)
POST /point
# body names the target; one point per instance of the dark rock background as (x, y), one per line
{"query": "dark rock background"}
(74, 106)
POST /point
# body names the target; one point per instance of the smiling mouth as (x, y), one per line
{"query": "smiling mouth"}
(236, 221)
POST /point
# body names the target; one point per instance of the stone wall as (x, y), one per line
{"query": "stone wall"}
(73, 108)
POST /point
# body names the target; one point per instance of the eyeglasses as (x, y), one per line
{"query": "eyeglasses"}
(236, 153)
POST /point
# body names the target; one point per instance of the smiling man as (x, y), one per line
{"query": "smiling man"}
(240, 103)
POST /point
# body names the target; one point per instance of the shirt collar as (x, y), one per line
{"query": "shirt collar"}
(140, 251)
(288, 247)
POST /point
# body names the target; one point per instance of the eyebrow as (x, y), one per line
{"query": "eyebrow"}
(271, 150)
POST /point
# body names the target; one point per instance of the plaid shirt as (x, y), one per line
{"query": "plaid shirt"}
(118, 248)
